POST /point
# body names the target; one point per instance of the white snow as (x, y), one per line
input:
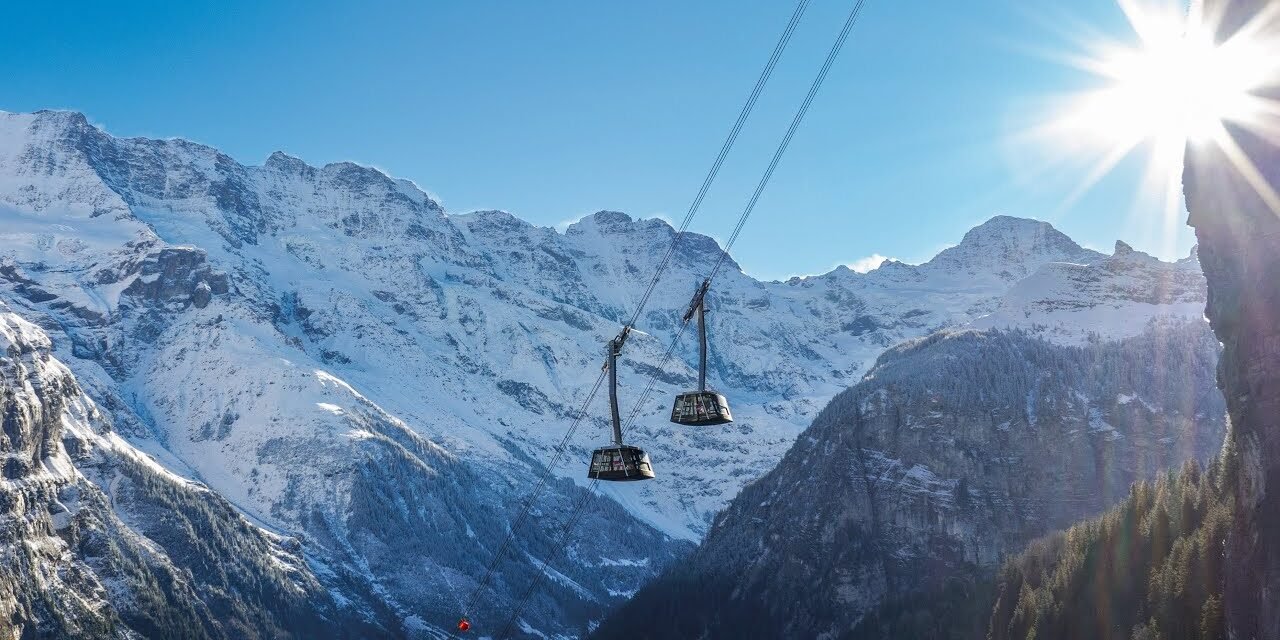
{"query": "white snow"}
(1098, 425)
(330, 407)
(609, 562)
(1117, 297)
(368, 304)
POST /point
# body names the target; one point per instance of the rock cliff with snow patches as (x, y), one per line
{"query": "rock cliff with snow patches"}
(347, 366)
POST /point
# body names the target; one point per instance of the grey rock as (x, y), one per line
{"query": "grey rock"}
(1239, 248)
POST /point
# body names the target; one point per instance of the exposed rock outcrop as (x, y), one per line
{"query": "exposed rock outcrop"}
(101, 542)
(386, 381)
(177, 275)
(1236, 215)
(954, 451)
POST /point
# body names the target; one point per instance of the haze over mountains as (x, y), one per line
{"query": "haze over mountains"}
(374, 384)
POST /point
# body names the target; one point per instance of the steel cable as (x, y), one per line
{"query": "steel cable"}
(841, 38)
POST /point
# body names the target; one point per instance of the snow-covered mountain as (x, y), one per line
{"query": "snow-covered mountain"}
(101, 541)
(891, 512)
(346, 363)
(1111, 298)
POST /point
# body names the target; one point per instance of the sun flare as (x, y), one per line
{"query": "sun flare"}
(1175, 81)
(1175, 85)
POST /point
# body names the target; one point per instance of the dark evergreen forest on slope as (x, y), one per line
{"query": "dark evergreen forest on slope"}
(893, 513)
(1150, 568)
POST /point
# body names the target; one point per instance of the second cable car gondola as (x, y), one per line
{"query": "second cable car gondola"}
(619, 462)
(702, 407)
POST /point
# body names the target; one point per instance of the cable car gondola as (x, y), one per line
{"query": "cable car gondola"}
(687, 407)
(702, 407)
(619, 462)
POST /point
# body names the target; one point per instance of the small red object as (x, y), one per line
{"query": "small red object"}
(464, 625)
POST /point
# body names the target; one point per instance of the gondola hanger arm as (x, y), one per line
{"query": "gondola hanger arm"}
(698, 297)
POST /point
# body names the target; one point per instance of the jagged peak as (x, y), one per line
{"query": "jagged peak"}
(609, 220)
(1125, 253)
(346, 166)
(494, 218)
(281, 161)
(48, 126)
(63, 117)
(606, 216)
(48, 118)
(1010, 241)
(77, 123)
(602, 221)
(1012, 227)
(357, 177)
(843, 270)
(73, 132)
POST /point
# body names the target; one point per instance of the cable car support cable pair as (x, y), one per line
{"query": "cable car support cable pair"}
(464, 624)
(714, 171)
(697, 305)
(557, 452)
(746, 213)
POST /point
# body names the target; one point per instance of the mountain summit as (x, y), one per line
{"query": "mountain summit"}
(1010, 248)
(355, 368)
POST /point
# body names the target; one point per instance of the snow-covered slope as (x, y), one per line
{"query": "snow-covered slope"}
(300, 338)
(911, 487)
(1113, 298)
(102, 542)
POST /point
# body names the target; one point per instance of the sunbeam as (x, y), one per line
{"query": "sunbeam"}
(1175, 82)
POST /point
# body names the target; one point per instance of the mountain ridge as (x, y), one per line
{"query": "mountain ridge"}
(954, 451)
(250, 326)
(997, 227)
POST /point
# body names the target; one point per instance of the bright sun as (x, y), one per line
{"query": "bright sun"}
(1178, 86)
(1176, 83)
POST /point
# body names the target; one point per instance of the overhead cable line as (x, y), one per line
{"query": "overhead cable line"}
(746, 110)
(567, 530)
(558, 451)
(729, 141)
(760, 187)
(841, 38)
(791, 131)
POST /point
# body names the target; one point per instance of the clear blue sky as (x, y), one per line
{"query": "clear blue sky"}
(553, 109)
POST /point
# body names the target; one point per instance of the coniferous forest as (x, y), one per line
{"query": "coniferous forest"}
(1150, 568)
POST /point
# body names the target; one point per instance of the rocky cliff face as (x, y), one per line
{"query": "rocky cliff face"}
(102, 542)
(1236, 214)
(352, 367)
(953, 451)
(1073, 303)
